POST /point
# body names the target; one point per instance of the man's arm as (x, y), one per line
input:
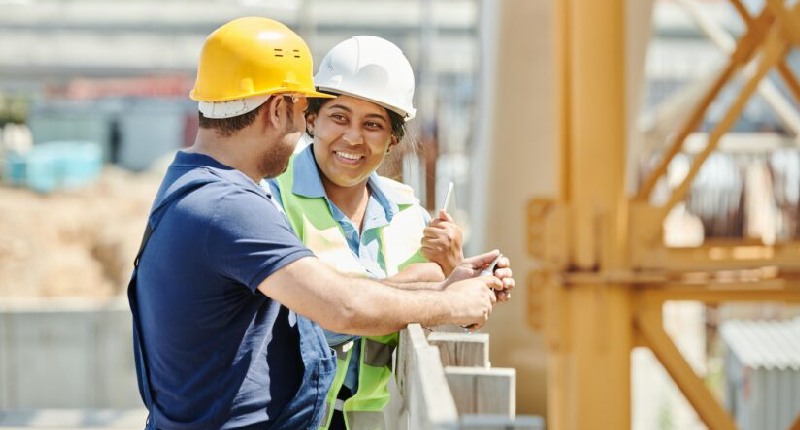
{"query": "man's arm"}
(428, 276)
(418, 276)
(360, 306)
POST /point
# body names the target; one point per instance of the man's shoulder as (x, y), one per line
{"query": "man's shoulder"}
(211, 183)
(208, 195)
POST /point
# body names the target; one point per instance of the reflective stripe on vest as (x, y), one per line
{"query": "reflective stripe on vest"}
(314, 224)
(364, 420)
(342, 350)
(376, 354)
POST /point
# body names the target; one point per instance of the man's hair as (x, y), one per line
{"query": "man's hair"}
(397, 122)
(228, 126)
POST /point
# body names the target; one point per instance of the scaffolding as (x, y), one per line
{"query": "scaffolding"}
(605, 271)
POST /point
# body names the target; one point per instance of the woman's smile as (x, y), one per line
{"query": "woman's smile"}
(348, 158)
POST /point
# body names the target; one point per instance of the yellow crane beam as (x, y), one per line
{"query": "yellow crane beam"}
(604, 272)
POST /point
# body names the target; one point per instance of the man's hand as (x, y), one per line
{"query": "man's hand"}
(503, 272)
(472, 301)
(442, 242)
(472, 267)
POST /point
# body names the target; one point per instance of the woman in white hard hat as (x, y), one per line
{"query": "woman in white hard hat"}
(355, 220)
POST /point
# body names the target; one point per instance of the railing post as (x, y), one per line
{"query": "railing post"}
(466, 394)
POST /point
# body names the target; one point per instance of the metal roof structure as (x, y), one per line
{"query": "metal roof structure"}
(59, 40)
(764, 344)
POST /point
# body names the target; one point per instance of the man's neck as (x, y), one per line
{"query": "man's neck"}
(225, 151)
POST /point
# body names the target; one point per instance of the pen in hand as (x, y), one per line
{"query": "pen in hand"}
(447, 196)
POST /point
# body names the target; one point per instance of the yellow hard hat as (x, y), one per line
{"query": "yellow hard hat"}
(253, 56)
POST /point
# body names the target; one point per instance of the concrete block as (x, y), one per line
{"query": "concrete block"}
(73, 419)
(115, 379)
(51, 359)
(66, 353)
(5, 368)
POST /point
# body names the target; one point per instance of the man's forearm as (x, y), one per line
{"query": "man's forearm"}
(379, 310)
(354, 305)
(413, 286)
(419, 276)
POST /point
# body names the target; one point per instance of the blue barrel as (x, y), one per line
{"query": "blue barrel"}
(14, 169)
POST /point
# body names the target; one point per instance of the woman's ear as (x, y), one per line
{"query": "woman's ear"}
(392, 144)
(311, 118)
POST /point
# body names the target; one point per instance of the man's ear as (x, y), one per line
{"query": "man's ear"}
(271, 111)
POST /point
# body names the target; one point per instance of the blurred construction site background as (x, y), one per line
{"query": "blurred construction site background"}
(93, 103)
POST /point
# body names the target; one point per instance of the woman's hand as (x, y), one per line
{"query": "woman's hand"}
(442, 242)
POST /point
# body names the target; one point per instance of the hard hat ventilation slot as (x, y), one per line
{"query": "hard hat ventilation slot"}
(278, 52)
(296, 53)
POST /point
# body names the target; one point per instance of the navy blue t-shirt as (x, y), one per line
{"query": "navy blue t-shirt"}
(220, 353)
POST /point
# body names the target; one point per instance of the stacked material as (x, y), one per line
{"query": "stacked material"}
(73, 243)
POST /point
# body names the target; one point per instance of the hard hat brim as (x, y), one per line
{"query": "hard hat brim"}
(406, 115)
(312, 94)
(317, 95)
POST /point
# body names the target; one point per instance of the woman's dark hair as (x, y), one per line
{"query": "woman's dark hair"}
(397, 122)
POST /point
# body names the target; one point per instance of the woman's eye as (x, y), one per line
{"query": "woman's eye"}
(375, 125)
(338, 117)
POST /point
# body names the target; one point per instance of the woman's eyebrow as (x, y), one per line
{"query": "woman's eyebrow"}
(375, 115)
(340, 106)
(345, 108)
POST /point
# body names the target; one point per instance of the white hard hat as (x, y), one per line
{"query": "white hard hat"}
(370, 68)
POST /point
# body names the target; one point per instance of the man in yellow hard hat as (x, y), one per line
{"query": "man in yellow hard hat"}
(224, 295)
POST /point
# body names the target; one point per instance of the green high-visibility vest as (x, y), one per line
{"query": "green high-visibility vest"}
(400, 246)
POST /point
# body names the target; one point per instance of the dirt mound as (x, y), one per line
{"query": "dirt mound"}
(76, 243)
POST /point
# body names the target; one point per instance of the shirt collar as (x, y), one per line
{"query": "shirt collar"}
(307, 182)
(188, 160)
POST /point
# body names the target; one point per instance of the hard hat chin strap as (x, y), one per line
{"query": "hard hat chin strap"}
(231, 108)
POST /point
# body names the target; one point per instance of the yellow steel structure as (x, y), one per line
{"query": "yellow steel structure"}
(605, 272)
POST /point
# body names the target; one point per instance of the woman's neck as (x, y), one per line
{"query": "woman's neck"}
(352, 201)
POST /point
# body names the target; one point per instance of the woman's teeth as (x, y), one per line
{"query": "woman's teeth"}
(348, 155)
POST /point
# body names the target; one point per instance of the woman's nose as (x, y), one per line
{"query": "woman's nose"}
(353, 136)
